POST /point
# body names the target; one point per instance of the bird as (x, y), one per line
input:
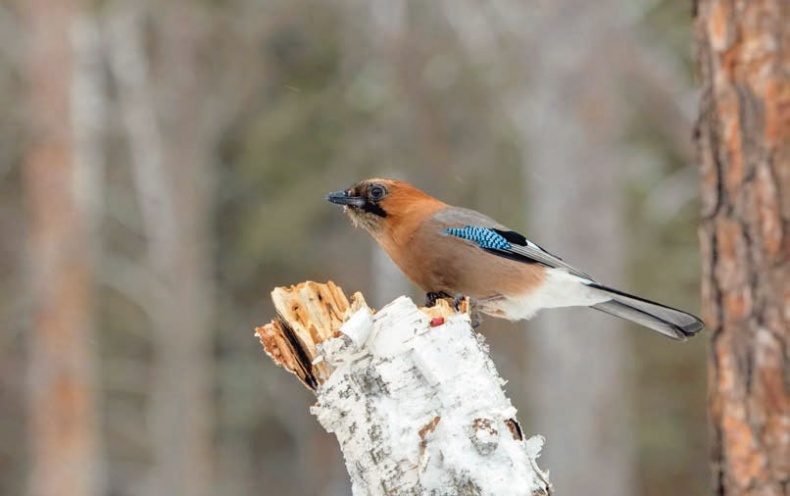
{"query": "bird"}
(455, 252)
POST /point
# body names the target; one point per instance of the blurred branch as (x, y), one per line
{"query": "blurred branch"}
(161, 99)
(89, 105)
(130, 68)
(121, 207)
(414, 400)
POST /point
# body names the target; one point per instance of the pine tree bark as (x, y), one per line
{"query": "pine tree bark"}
(744, 147)
(62, 404)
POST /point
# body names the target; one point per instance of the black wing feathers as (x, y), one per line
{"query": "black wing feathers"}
(523, 250)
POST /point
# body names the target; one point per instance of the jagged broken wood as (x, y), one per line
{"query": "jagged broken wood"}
(411, 394)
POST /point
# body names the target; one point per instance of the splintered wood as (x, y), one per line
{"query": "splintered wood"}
(310, 313)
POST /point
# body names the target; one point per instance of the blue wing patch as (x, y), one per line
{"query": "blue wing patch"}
(485, 238)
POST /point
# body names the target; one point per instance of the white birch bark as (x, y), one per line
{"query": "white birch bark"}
(412, 396)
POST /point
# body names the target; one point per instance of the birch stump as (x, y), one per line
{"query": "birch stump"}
(411, 394)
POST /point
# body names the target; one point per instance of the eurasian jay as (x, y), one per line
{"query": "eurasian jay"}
(451, 251)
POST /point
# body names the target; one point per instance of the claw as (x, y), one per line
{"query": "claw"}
(457, 299)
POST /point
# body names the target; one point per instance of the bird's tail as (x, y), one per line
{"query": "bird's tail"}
(668, 321)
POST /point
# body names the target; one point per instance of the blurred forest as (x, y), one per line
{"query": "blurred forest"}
(206, 135)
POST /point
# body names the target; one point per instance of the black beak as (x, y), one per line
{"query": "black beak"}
(343, 198)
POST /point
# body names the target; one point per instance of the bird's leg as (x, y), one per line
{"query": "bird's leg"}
(432, 297)
(474, 315)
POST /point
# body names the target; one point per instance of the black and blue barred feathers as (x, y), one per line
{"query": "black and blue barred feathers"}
(485, 238)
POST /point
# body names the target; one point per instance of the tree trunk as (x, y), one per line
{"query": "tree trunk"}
(63, 423)
(414, 400)
(744, 147)
(171, 159)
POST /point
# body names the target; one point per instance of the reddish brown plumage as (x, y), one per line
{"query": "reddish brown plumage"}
(457, 251)
(407, 208)
(411, 235)
(438, 262)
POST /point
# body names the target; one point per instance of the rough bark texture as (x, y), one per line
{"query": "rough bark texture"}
(414, 400)
(63, 426)
(744, 145)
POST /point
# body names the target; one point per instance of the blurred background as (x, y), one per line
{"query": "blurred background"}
(163, 166)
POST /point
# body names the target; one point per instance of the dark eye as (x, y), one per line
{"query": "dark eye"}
(376, 193)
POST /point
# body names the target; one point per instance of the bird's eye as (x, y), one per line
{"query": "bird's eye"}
(376, 193)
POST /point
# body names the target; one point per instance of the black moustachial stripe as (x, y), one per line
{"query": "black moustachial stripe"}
(374, 208)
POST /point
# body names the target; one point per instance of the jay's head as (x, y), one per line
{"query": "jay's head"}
(375, 203)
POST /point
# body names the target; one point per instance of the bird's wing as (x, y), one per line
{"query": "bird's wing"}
(497, 239)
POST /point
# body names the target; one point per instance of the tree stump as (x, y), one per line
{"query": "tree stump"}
(411, 394)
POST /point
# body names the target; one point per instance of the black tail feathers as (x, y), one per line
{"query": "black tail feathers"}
(670, 322)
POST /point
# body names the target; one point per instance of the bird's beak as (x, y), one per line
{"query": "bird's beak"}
(343, 198)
